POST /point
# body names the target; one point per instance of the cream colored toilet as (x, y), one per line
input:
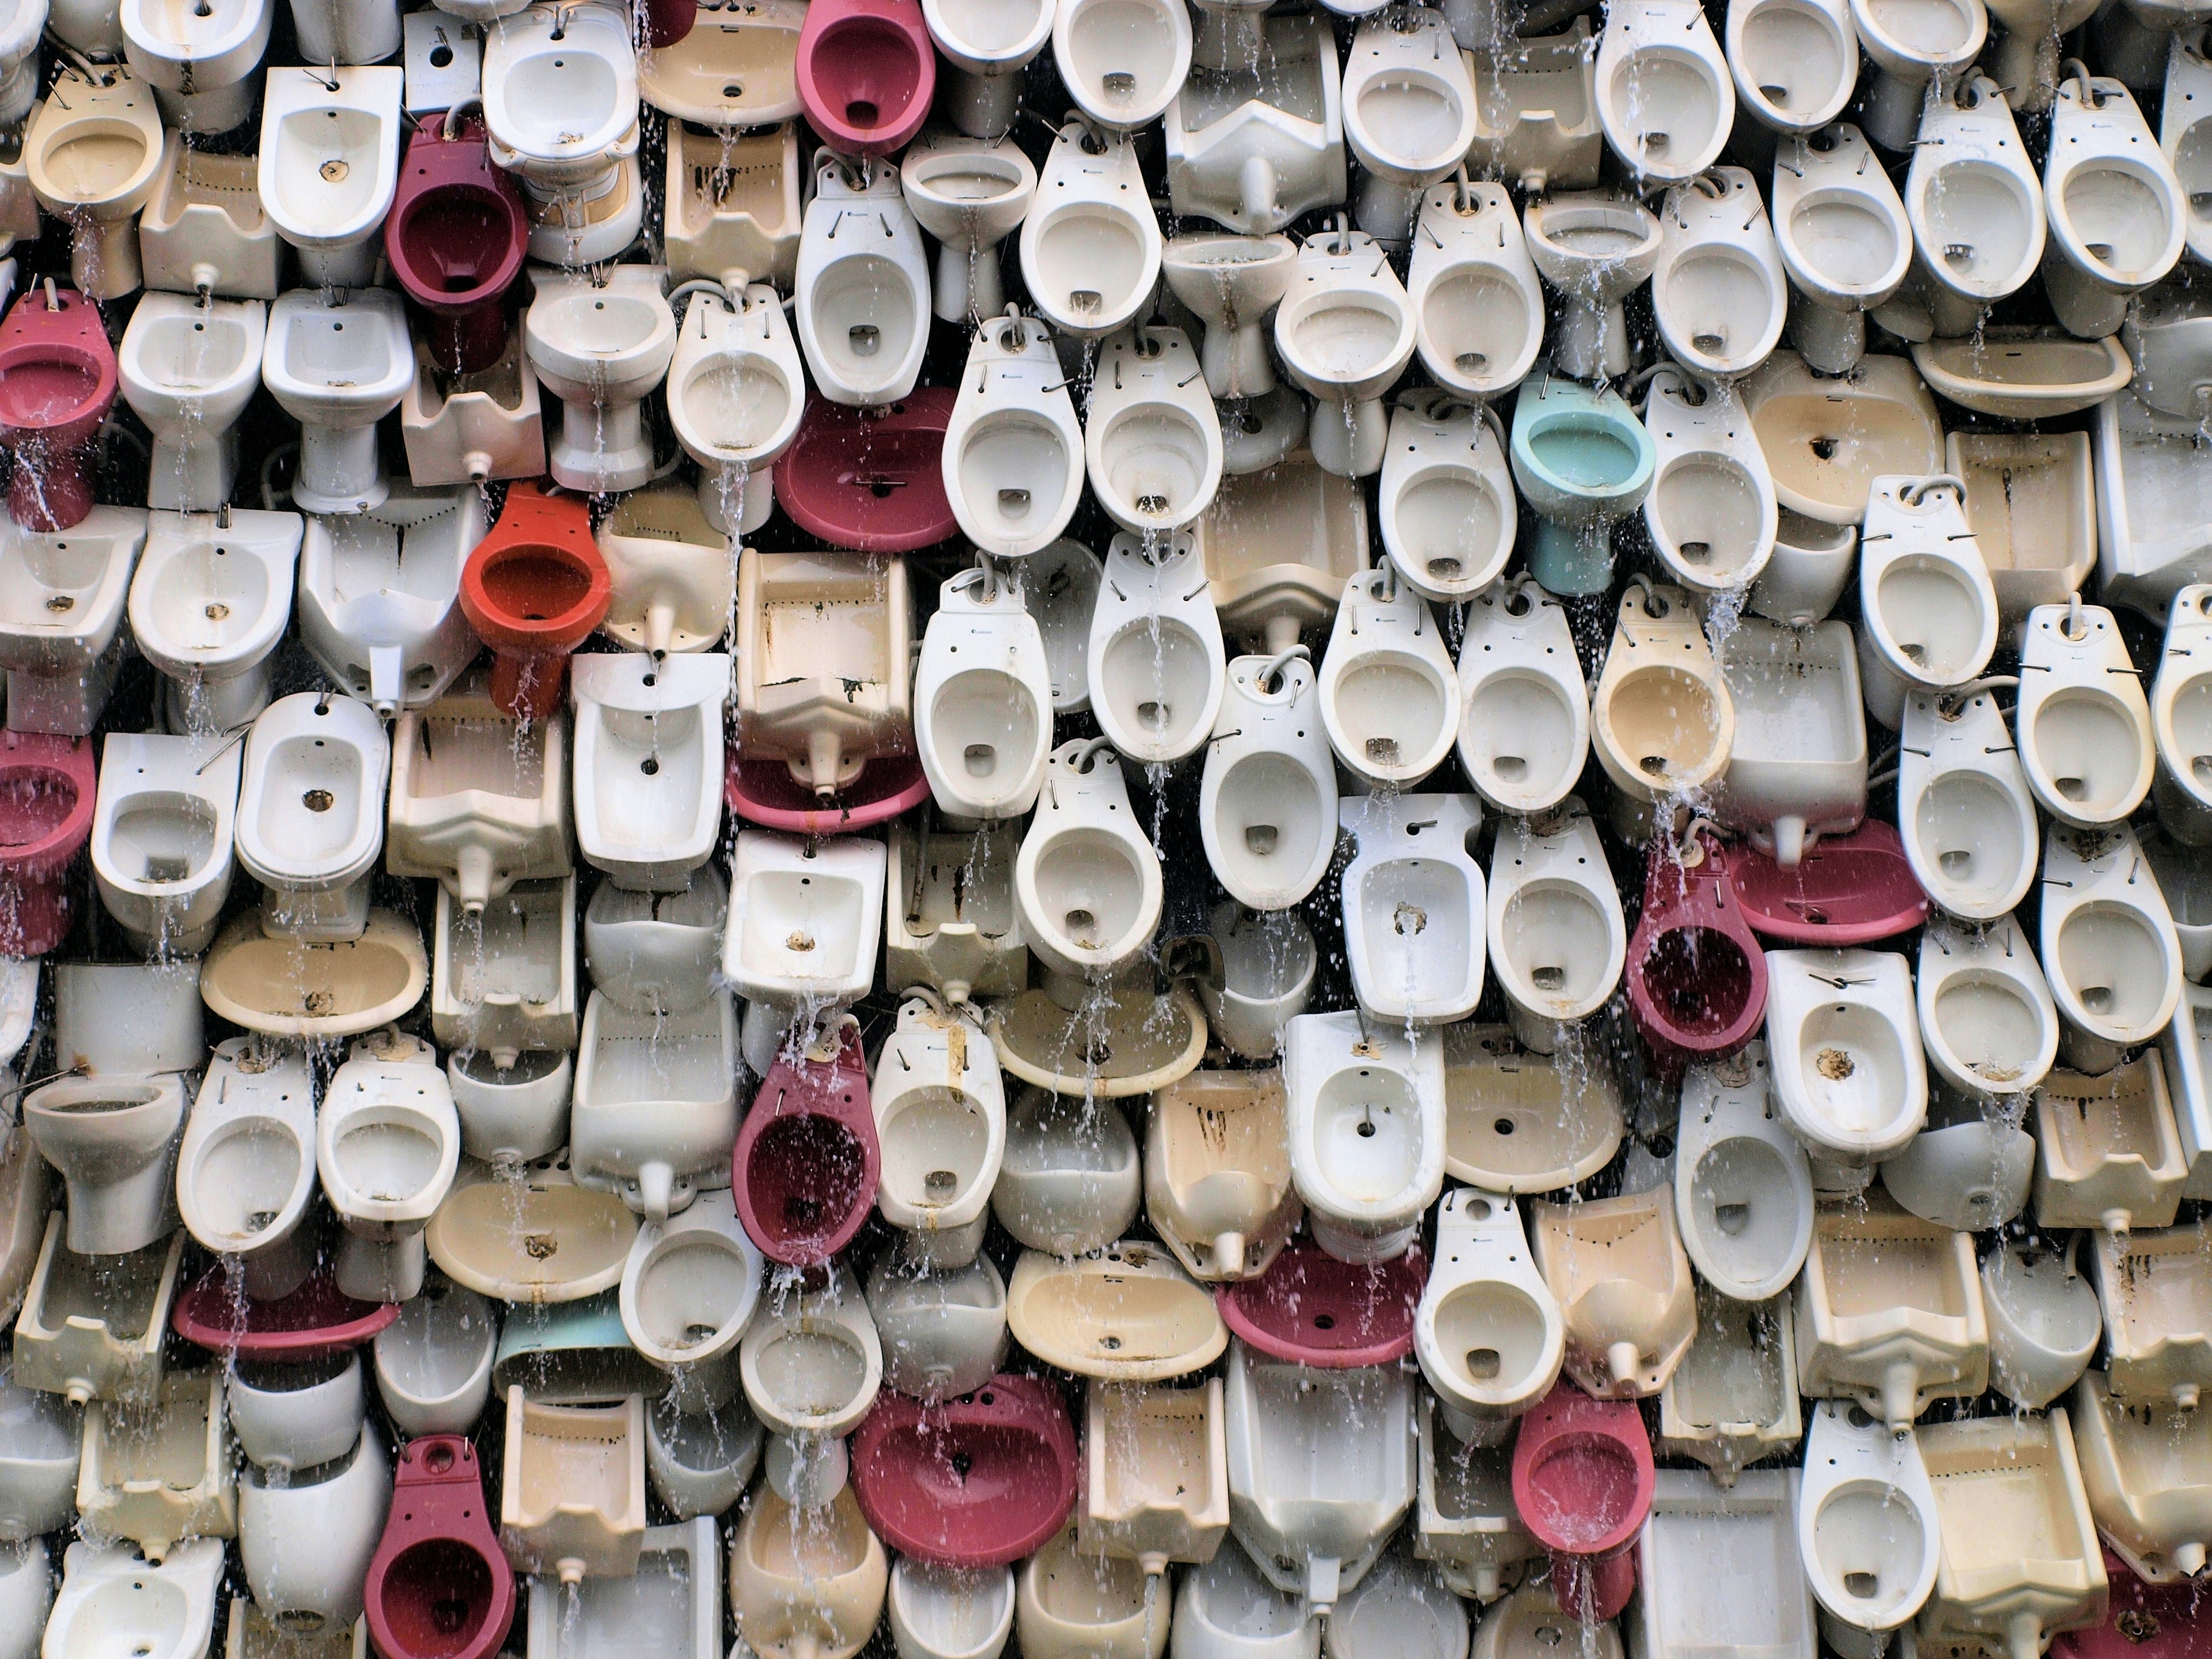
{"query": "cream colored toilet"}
(1796, 62)
(1718, 290)
(1014, 451)
(1868, 1529)
(1217, 1172)
(1091, 249)
(387, 1145)
(863, 294)
(1448, 511)
(162, 839)
(1345, 332)
(93, 151)
(1930, 612)
(1844, 237)
(1963, 811)
(2109, 1155)
(1488, 1334)
(245, 1168)
(2153, 1287)
(805, 1585)
(674, 586)
(1664, 92)
(982, 721)
(1408, 114)
(1387, 690)
(1477, 306)
(1367, 1131)
(2118, 214)
(1976, 207)
(1662, 719)
(1625, 1290)
(1087, 883)
(941, 1112)
(2181, 719)
(1558, 942)
(735, 396)
(1711, 511)
(1843, 1036)
(1152, 440)
(1911, 46)
(1536, 121)
(1266, 807)
(2108, 943)
(1157, 661)
(2085, 725)
(1987, 1019)
(1524, 710)
(1414, 907)
(1122, 64)
(822, 643)
(1743, 1194)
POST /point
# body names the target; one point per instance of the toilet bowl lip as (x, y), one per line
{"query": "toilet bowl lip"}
(317, 1320)
(838, 17)
(935, 154)
(1879, 39)
(1186, 255)
(2067, 237)
(381, 308)
(938, 14)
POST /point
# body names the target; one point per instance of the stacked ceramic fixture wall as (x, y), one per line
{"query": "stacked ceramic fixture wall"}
(1093, 829)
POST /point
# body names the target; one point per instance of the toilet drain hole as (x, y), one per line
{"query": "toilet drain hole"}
(696, 1333)
(1732, 1218)
(319, 800)
(2097, 998)
(1482, 1364)
(2072, 788)
(1697, 552)
(440, 56)
(2202, 766)
(1366, 1129)
(1959, 254)
(59, 602)
(217, 611)
(1653, 765)
(2101, 252)
(258, 1220)
(1655, 143)
(1110, 1344)
(449, 1613)
(862, 113)
(1709, 343)
(166, 866)
(1957, 863)
(1511, 767)
(1913, 652)
(1824, 449)
(1154, 713)
(1471, 362)
(1549, 978)
(1834, 1064)
(799, 940)
(1088, 300)
(540, 1247)
(940, 1181)
(864, 338)
(1550, 1635)
(1118, 85)
(334, 170)
(981, 760)
(1777, 96)
(1013, 502)
(650, 766)
(1445, 569)
(1262, 839)
(1408, 919)
(733, 90)
(1862, 1584)
(1503, 1126)
(1083, 927)
(1383, 751)
(1152, 507)
(961, 1463)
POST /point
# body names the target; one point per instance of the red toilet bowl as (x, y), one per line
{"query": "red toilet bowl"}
(316, 1320)
(805, 1169)
(980, 1481)
(866, 72)
(534, 589)
(1854, 889)
(1312, 1310)
(57, 382)
(1583, 1480)
(2148, 1621)
(439, 1586)
(456, 236)
(47, 795)
(1697, 976)
(870, 480)
(764, 793)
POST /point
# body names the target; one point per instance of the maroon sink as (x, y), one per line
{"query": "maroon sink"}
(1312, 1310)
(1854, 889)
(870, 479)
(315, 1320)
(979, 1481)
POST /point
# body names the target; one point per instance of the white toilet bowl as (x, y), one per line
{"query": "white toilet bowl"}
(600, 343)
(1447, 507)
(1013, 450)
(2181, 719)
(1487, 1334)
(1963, 807)
(982, 700)
(1157, 659)
(1152, 440)
(306, 1536)
(2183, 136)
(1090, 250)
(1845, 242)
(1121, 62)
(387, 1143)
(1975, 205)
(1409, 114)
(940, 1109)
(1367, 1131)
(202, 68)
(2117, 215)
(189, 367)
(310, 812)
(1867, 1527)
(1796, 62)
(1986, 1016)
(1413, 907)
(1842, 1037)
(245, 1168)
(329, 166)
(1087, 882)
(433, 1361)
(162, 839)
(1267, 808)
(689, 1292)
(1387, 691)
(1478, 307)
(863, 296)
(1911, 45)
(1718, 291)
(1711, 511)
(339, 361)
(1595, 248)
(1232, 285)
(113, 1140)
(1071, 1181)
(1930, 612)
(969, 194)
(735, 395)
(2085, 729)
(1268, 959)
(649, 767)
(208, 607)
(1558, 941)
(2108, 943)
(1345, 332)
(1524, 710)
(1743, 1193)
(1664, 92)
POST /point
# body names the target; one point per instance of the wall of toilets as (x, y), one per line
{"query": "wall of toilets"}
(956, 1208)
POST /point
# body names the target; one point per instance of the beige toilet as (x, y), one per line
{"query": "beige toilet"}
(1662, 719)
(1217, 1172)
(93, 152)
(1625, 1288)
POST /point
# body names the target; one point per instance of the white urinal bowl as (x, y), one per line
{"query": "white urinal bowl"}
(2148, 1475)
(1091, 249)
(1930, 612)
(1719, 291)
(1367, 1131)
(943, 1330)
(1712, 512)
(1268, 962)
(1268, 798)
(1225, 1610)
(380, 595)
(2182, 135)
(1388, 697)
(1013, 449)
(1256, 138)
(433, 1361)
(1797, 767)
(1477, 306)
(1986, 1014)
(1447, 507)
(1843, 1038)
(1664, 92)
(1796, 62)
(1743, 1194)
(163, 834)
(2152, 501)
(1414, 908)
(863, 296)
(2108, 943)
(2152, 1287)
(296, 1415)
(655, 1100)
(948, 1613)
(1157, 661)
(1963, 811)
(689, 1292)
(1557, 938)
(1524, 710)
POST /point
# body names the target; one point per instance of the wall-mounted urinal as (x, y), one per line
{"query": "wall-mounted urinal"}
(1584, 462)
(1733, 1399)
(1965, 813)
(805, 920)
(2020, 1557)
(1868, 1529)
(2164, 338)
(60, 637)
(1664, 94)
(655, 1101)
(1478, 307)
(572, 1502)
(111, 1594)
(1071, 1180)
(812, 1365)
(1718, 290)
(162, 839)
(2085, 725)
(1060, 588)
(1268, 795)
(1520, 1121)
(306, 1537)
(940, 1114)
(1767, 1605)
(1661, 719)
(1070, 1603)
(1321, 1469)
(1217, 1172)
(1712, 512)
(1743, 1196)
(1826, 439)
(2032, 504)
(1157, 1474)
(1889, 1313)
(1558, 942)
(1413, 906)
(380, 595)
(1972, 1165)
(2154, 1290)
(42, 1440)
(1011, 1450)
(950, 921)
(2148, 1475)
(807, 1584)
(203, 222)
(159, 1474)
(1536, 115)
(673, 1601)
(2151, 502)
(1151, 438)
(2118, 214)
(1409, 114)
(2183, 136)
(1447, 504)
(2045, 1324)
(1129, 1315)
(1851, 1078)
(1345, 332)
(1930, 614)
(2184, 1046)
(1226, 1610)
(1489, 1335)
(1986, 1015)
(1596, 249)
(1797, 768)
(245, 1168)
(1624, 1286)
(1013, 453)
(478, 798)
(1972, 198)
(387, 1143)
(433, 1361)
(1524, 720)
(1842, 231)
(1091, 249)
(542, 1239)
(1811, 565)
(2108, 943)
(1264, 977)
(1256, 137)
(27, 1594)
(688, 1293)
(810, 626)
(1157, 661)
(311, 810)
(96, 1327)
(942, 1331)
(2109, 1154)
(673, 584)
(1464, 1518)
(1280, 543)
(649, 763)
(1583, 1480)
(505, 980)
(1385, 689)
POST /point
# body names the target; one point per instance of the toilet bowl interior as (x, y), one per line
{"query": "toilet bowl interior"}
(1869, 1544)
(2114, 963)
(1367, 1133)
(1479, 319)
(1709, 508)
(1664, 723)
(1392, 707)
(1555, 947)
(245, 1174)
(1492, 1337)
(1851, 1063)
(1154, 674)
(2090, 744)
(1455, 518)
(1794, 56)
(1521, 729)
(162, 836)
(1978, 220)
(1720, 299)
(2117, 208)
(1987, 1024)
(1668, 100)
(1125, 51)
(1090, 888)
(1969, 829)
